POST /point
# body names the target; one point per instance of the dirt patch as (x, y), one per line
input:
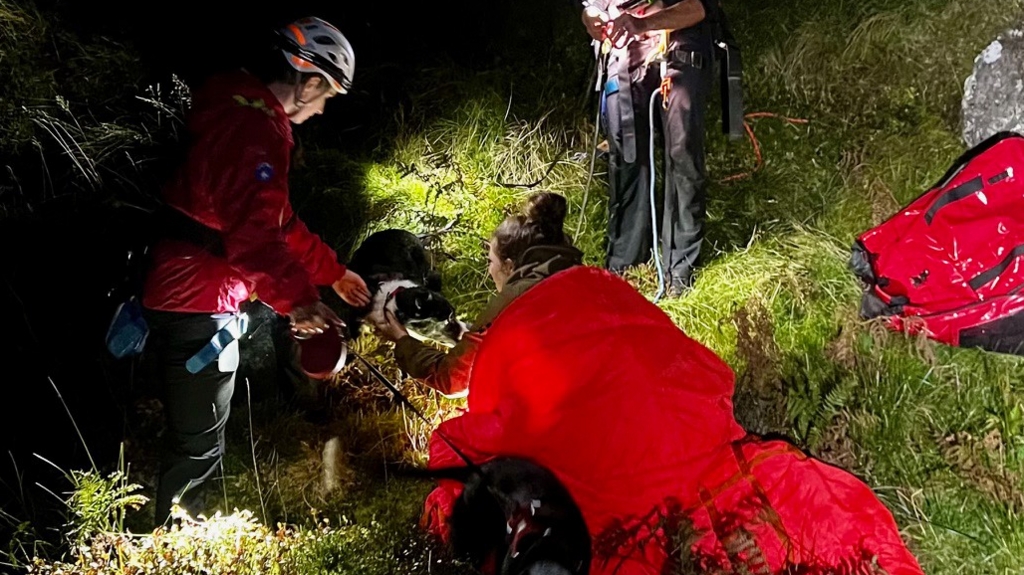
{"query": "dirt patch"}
(759, 402)
(982, 462)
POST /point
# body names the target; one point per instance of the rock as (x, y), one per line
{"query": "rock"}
(336, 473)
(994, 93)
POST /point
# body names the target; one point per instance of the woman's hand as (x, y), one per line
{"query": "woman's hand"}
(351, 288)
(310, 320)
(391, 328)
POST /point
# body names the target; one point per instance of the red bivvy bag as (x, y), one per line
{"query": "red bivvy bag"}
(949, 264)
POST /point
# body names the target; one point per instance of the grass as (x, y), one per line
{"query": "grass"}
(938, 432)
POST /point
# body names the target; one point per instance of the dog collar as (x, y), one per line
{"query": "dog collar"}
(392, 295)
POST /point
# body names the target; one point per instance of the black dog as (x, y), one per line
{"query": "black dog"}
(515, 517)
(397, 271)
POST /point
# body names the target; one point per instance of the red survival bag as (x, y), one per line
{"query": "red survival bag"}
(949, 264)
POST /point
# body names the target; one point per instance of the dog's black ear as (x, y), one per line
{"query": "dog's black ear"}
(433, 281)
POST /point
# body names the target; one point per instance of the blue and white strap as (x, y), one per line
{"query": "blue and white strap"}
(232, 331)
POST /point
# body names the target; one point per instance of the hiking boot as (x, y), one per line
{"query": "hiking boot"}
(678, 287)
(676, 291)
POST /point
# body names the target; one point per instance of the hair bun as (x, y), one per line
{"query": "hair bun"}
(547, 211)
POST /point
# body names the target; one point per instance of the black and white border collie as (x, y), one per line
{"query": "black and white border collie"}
(397, 271)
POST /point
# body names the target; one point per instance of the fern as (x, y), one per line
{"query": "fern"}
(99, 504)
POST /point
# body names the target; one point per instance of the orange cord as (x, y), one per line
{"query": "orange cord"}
(759, 158)
(666, 89)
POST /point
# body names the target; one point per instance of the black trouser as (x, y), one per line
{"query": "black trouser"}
(196, 405)
(682, 127)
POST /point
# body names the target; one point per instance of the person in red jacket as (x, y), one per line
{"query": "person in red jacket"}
(585, 377)
(230, 233)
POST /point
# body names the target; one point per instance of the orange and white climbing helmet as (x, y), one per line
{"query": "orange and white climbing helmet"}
(313, 45)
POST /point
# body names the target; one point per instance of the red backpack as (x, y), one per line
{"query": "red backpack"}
(949, 264)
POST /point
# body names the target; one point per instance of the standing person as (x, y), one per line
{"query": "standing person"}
(229, 232)
(633, 77)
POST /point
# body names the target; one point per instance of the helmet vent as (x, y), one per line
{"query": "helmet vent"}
(315, 45)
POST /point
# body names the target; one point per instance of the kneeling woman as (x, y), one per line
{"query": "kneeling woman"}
(582, 375)
(525, 250)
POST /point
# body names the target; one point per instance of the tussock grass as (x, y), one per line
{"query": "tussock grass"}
(24, 75)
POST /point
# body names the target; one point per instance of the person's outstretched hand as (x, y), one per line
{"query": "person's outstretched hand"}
(310, 320)
(351, 288)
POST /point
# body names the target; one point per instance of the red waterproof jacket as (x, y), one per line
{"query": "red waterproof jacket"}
(235, 181)
(584, 376)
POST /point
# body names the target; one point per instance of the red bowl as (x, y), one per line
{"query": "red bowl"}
(323, 355)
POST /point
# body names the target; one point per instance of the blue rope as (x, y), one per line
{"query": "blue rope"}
(654, 211)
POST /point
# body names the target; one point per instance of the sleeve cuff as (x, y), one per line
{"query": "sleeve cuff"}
(339, 272)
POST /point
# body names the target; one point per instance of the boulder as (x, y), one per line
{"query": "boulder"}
(994, 93)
